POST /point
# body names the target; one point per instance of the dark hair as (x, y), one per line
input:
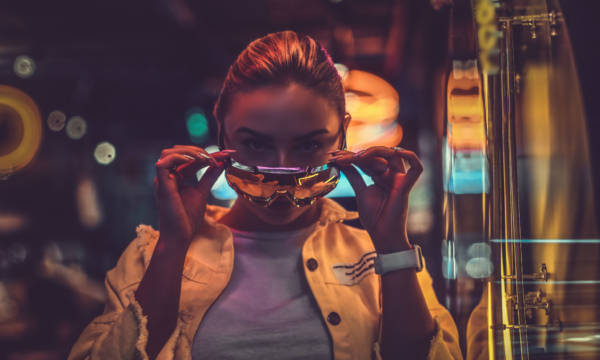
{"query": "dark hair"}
(282, 58)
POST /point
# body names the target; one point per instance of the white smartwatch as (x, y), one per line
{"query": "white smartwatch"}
(385, 263)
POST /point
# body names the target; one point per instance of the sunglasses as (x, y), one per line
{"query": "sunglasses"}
(263, 185)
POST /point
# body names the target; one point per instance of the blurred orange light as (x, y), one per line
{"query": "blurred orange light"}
(373, 104)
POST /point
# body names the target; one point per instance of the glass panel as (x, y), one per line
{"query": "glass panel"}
(542, 297)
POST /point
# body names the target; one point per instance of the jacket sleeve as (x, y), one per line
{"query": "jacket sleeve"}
(444, 344)
(121, 332)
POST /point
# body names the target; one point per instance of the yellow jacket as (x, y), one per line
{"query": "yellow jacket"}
(351, 308)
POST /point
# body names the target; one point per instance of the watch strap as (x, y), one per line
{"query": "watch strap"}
(412, 258)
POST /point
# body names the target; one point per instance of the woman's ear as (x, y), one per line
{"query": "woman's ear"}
(347, 118)
(345, 124)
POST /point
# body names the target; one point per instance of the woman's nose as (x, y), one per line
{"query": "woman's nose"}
(283, 159)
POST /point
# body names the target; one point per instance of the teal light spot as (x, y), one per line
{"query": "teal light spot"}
(197, 126)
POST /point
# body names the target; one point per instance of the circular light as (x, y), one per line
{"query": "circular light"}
(24, 66)
(479, 249)
(197, 126)
(76, 127)
(20, 130)
(479, 267)
(56, 120)
(105, 153)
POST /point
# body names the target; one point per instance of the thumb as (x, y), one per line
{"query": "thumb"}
(196, 197)
(355, 179)
(207, 181)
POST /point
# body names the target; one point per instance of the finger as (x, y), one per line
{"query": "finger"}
(165, 165)
(208, 179)
(223, 155)
(376, 167)
(179, 148)
(193, 151)
(372, 166)
(341, 157)
(354, 178)
(416, 166)
(395, 158)
(200, 193)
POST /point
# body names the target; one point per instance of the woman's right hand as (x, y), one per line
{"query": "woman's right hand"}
(180, 199)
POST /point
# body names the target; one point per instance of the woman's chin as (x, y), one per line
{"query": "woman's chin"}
(279, 213)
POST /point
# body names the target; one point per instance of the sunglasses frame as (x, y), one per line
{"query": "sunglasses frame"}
(291, 171)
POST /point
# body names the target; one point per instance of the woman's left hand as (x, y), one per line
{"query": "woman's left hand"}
(382, 206)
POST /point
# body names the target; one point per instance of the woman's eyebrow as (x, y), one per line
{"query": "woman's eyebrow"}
(246, 130)
(258, 134)
(311, 134)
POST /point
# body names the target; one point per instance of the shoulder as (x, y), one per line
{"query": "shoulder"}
(134, 260)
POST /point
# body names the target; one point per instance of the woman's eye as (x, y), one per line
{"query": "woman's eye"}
(310, 146)
(254, 145)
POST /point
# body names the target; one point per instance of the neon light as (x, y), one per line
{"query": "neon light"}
(547, 241)
(306, 178)
(557, 282)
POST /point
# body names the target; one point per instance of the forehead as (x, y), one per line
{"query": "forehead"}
(284, 110)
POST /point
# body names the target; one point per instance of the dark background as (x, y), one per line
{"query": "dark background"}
(133, 69)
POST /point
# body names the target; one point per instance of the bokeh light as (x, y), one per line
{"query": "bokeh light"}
(21, 130)
(105, 153)
(197, 125)
(24, 66)
(88, 205)
(56, 120)
(76, 127)
(479, 267)
(12, 222)
(374, 105)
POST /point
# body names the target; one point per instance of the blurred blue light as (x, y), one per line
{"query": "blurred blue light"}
(197, 125)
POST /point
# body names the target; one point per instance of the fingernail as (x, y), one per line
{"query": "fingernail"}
(229, 151)
(203, 155)
(337, 157)
(189, 157)
(359, 153)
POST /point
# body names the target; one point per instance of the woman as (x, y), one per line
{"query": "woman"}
(185, 293)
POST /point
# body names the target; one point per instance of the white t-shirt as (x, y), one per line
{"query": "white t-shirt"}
(267, 310)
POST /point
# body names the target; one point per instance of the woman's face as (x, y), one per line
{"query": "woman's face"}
(279, 125)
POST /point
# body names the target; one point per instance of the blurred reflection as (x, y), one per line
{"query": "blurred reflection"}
(374, 106)
(542, 298)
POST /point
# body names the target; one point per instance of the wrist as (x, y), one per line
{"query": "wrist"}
(171, 246)
(386, 243)
(399, 260)
(391, 247)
